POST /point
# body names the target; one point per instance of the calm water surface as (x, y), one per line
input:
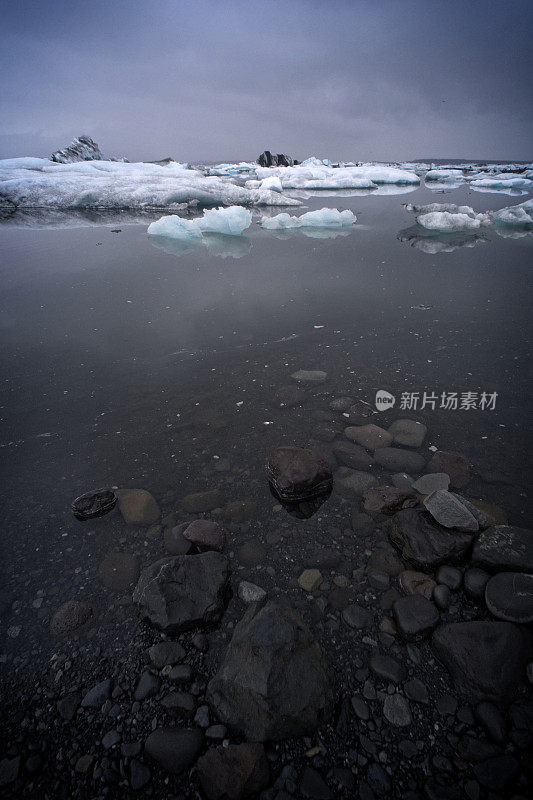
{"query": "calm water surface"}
(129, 362)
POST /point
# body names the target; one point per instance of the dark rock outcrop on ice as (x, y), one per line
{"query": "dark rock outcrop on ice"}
(268, 159)
(82, 148)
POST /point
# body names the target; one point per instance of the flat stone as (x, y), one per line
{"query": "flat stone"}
(353, 482)
(425, 543)
(309, 376)
(174, 749)
(416, 583)
(492, 513)
(84, 763)
(396, 710)
(97, 696)
(180, 673)
(504, 548)
(408, 432)
(464, 648)
(206, 534)
(387, 668)
(250, 592)
(451, 576)
(181, 703)
(147, 685)
(118, 571)
(415, 616)
(474, 582)
(164, 653)
(288, 396)
(496, 773)
(449, 512)
(140, 775)
(453, 464)
(401, 480)
(442, 597)
(432, 482)
(182, 592)
(68, 705)
(386, 500)
(310, 579)
(70, 616)
(239, 510)
(234, 772)
(296, 475)
(369, 436)
(492, 721)
(202, 502)
(416, 691)
(341, 404)
(360, 707)
(274, 682)
(355, 616)
(509, 596)
(175, 542)
(94, 504)
(352, 455)
(110, 739)
(384, 559)
(396, 460)
(251, 553)
(138, 507)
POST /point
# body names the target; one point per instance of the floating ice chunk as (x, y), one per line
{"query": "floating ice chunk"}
(520, 215)
(230, 221)
(431, 207)
(502, 183)
(315, 175)
(322, 218)
(444, 175)
(273, 183)
(447, 221)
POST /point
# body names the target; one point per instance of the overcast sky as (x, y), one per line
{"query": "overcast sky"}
(224, 79)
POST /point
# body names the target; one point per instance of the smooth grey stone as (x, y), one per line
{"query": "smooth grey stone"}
(509, 596)
(110, 739)
(164, 653)
(417, 691)
(451, 576)
(396, 710)
(441, 596)
(474, 582)
(491, 719)
(415, 617)
(431, 482)
(360, 707)
(97, 696)
(408, 432)
(396, 460)
(401, 480)
(504, 548)
(147, 686)
(140, 775)
(357, 617)
(387, 668)
(425, 543)
(448, 511)
(174, 749)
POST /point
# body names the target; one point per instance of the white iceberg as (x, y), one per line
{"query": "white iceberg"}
(444, 175)
(520, 215)
(429, 208)
(496, 183)
(39, 183)
(273, 183)
(322, 218)
(447, 221)
(313, 174)
(230, 221)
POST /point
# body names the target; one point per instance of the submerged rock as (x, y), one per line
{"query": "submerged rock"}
(299, 476)
(423, 542)
(274, 681)
(183, 592)
(352, 455)
(117, 571)
(453, 464)
(408, 432)
(309, 376)
(207, 534)
(398, 460)
(288, 396)
(447, 510)
(94, 504)
(486, 659)
(415, 617)
(138, 507)
(71, 615)
(416, 583)
(387, 500)
(509, 596)
(234, 772)
(201, 502)
(504, 547)
(353, 481)
(369, 436)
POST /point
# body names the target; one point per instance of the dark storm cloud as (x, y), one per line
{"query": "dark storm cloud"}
(225, 79)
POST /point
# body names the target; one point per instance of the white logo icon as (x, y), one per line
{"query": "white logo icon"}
(384, 400)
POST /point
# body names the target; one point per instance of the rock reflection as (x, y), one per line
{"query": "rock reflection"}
(300, 479)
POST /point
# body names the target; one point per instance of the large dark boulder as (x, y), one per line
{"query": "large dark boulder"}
(182, 592)
(274, 681)
(425, 543)
(504, 547)
(486, 659)
(268, 159)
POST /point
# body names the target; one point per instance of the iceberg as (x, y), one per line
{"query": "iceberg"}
(432, 207)
(520, 215)
(322, 218)
(447, 221)
(496, 183)
(83, 148)
(315, 175)
(444, 175)
(40, 183)
(230, 221)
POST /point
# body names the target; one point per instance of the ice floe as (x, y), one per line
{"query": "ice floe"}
(40, 183)
(519, 216)
(322, 218)
(230, 221)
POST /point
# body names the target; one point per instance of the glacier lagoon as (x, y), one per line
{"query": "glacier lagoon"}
(140, 361)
